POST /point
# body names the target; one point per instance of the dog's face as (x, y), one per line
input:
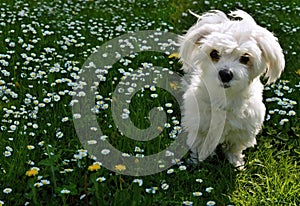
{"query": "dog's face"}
(230, 54)
(230, 61)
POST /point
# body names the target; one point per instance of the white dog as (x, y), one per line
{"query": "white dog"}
(223, 60)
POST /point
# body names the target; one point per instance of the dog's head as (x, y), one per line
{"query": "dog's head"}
(230, 52)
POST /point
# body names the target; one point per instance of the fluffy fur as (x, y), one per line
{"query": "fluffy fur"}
(223, 59)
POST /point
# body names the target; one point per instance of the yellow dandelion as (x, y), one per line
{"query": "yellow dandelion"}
(160, 129)
(17, 85)
(298, 72)
(120, 167)
(94, 167)
(174, 85)
(32, 172)
(174, 55)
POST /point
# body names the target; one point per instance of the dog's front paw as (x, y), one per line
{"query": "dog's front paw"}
(237, 160)
(240, 165)
(192, 161)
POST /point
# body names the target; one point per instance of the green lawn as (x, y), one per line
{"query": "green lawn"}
(43, 47)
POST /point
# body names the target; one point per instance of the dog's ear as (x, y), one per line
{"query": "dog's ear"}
(190, 43)
(271, 53)
(192, 39)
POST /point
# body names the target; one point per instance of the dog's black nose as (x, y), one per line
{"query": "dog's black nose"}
(225, 75)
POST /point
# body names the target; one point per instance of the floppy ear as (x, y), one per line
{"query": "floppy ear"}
(189, 43)
(191, 40)
(272, 54)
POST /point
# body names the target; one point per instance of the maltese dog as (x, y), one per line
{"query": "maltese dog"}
(223, 59)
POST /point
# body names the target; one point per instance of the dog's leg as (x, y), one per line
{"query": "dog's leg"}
(193, 159)
(234, 154)
(201, 146)
(192, 143)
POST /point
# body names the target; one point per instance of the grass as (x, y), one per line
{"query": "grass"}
(43, 47)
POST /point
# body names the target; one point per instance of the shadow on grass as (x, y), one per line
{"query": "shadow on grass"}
(219, 174)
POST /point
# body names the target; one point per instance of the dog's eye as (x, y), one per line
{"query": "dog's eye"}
(245, 59)
(215, 55)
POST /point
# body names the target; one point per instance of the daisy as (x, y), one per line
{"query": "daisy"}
(38, 184)
(187, 203)
(209, 189)
(170, 171)
(7, 190)
(68, 170)
(164, 186)
(139, 181)
(197, 194)
(92, 142)
(45, 182)
(8, 148)
(182, 167)
(65, 191)
(30, 147)
(105, 151)
(7, 153)
(100, 179)
(65, 119)
(210, 203)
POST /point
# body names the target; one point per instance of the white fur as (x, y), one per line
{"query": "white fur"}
(230, 112)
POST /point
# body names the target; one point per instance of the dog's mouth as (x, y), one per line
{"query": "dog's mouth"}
(225, 85)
